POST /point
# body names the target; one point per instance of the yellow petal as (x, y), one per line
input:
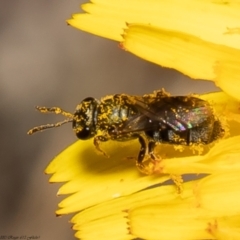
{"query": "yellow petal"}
(97, 25)
(89, 174)
(227, 76)
(168, 222)
(199, 38)
(159, 213)
(114, 206)
(181, 221)
(111, 227)
(100, 215)
(220, 23)
(202, 214)
(220, 193)
(186, 53)
(224, 231)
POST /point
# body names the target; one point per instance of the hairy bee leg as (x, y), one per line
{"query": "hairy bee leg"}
(96, 142)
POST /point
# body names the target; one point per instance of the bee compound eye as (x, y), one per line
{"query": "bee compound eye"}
(85, 133)
(84, 121)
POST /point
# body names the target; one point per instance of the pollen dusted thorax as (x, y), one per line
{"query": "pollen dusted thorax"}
(112, 114)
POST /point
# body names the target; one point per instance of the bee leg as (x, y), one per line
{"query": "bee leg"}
(147, 162)
(146, 150)
(96, 142)
(155, 165)
(157, 168)
(151, 146)
(143, 150)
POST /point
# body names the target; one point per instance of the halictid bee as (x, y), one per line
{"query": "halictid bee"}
(152, 118)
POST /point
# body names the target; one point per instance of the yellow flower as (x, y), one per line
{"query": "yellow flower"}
(199, 38)
(112, 199)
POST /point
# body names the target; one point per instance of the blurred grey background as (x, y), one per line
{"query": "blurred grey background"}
(45, 62)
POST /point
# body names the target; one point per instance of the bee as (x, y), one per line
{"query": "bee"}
(151, 118)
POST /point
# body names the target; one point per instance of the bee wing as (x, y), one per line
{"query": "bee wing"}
(138, 123)
(179, 113)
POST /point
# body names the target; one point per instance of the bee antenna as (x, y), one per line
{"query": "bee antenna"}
(55, 110)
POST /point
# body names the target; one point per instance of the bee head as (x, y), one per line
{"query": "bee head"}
(84, 120)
